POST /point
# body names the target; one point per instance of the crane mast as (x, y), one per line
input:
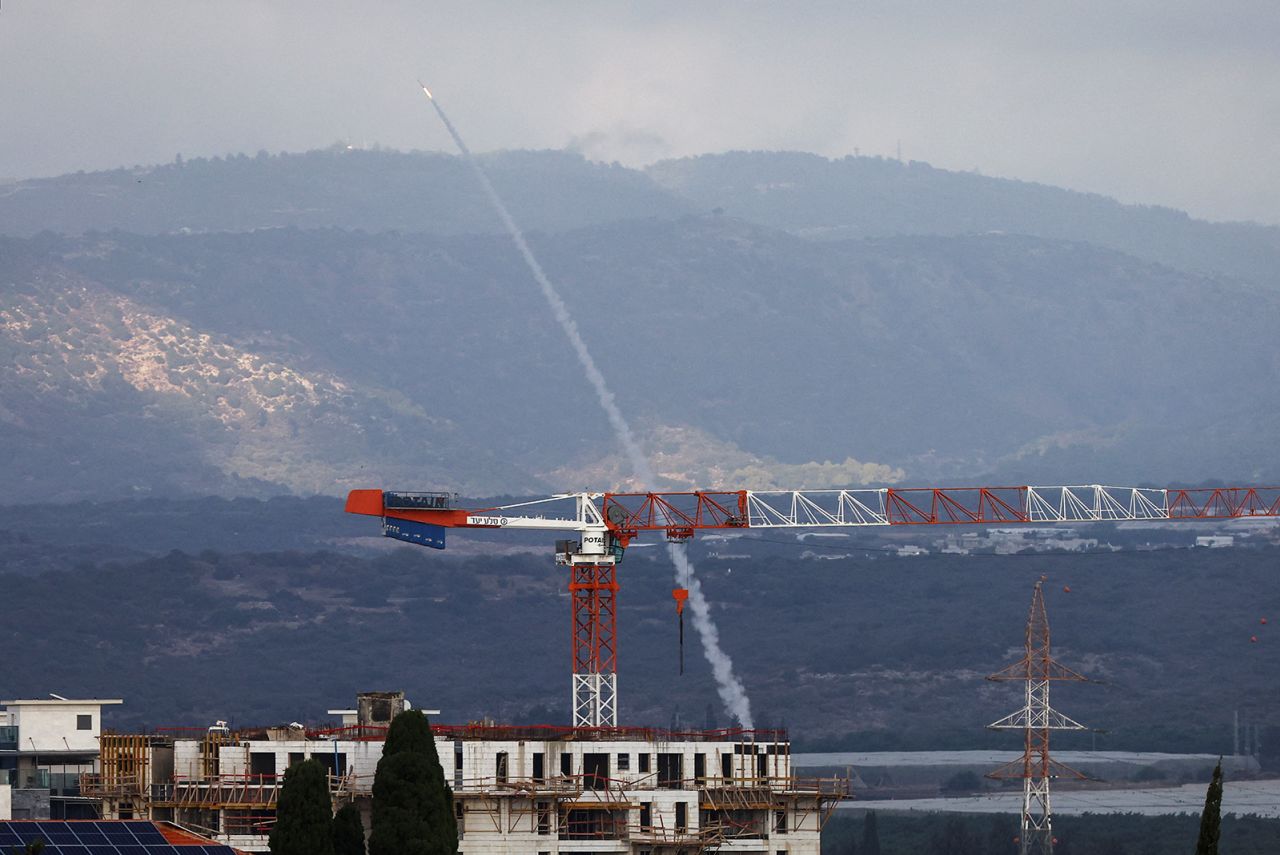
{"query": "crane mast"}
(606, 523)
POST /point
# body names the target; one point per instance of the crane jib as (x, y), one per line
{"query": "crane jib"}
(681, 514)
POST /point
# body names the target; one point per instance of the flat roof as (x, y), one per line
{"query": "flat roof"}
(61, 702)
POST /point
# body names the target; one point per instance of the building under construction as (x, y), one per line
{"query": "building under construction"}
(517, 789)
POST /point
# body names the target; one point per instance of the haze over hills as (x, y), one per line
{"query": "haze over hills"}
(337, 187)
(875, 197)
(410, 347)
(806, 194)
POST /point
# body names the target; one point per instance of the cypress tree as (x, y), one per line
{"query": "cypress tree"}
(870, 836)
(412, 805)
(348, 831)
(1211, 819)
(304, 812)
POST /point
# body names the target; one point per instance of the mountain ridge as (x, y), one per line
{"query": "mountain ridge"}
(741, 351)
(555, 191)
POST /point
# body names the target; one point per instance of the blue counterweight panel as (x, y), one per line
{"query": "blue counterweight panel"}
(422, 534)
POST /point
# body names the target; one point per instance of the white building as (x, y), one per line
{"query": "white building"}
(539, 790)
(46, 745)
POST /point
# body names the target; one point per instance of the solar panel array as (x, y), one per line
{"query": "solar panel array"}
(128, 837)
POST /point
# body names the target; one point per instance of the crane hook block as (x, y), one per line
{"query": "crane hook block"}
(680, 595)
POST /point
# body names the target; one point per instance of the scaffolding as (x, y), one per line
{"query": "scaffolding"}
(741, 802)
(590, 807)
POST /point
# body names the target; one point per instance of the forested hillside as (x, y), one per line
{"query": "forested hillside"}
(549, 191)
(316, 361)
(876, 197)
(864, 652)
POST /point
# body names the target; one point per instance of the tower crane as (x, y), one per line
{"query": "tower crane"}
(606, 523)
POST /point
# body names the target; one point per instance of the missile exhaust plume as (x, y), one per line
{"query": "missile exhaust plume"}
(730, 688)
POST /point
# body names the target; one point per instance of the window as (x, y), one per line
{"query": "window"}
(539, 772)
(646, 816)
(380, 710)
(334, 764)
(700, 769)
(726, 766)
(780, 822)
(624, 762)
(762, 766)
(262, 763)
(544, 818)
(644, 762)
(595, 771)
(500, 771)
(670, 771)
(459, 816)
(84, 722)
(566, 764)
(682, 816)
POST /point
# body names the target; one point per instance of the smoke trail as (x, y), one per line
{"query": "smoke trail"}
(732, 694)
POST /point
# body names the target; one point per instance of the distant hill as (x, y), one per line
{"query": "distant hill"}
(553, 191)
(337, 187)
(311, 361)
(877, 197)
(106, 395)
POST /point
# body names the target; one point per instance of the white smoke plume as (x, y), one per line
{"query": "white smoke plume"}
(732, 693)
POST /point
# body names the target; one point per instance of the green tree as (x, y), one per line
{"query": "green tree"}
(1211, 819)
(962, 782)
(348, 831)
(412, 805)
(955, 839)
(304, 813)
(870, 836)
(1000, 836)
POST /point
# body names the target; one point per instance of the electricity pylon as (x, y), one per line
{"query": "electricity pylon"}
(1036, 719)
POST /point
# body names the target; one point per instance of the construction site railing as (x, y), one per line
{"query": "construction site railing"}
(552, 732)
(549, 787)
(244, 790)
(96, 786)
(571, 785)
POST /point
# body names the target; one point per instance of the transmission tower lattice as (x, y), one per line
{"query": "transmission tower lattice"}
(1036, 719)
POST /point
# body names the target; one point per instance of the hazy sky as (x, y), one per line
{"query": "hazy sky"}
(1161, 101)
